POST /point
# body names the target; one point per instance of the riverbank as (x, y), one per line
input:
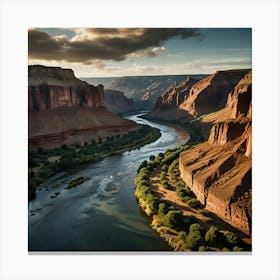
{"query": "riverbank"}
(176, 214)
(45, 163)
(101, 214)
(193, 127)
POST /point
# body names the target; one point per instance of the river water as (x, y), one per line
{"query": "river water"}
(101, 214)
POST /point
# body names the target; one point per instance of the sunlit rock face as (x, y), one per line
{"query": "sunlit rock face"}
(211, 93)
(219, 171)
(64, 109)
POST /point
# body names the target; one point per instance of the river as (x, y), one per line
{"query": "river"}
(102, 214)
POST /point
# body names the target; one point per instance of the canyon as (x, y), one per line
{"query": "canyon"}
(219, 170)
(63, 109)
(118, 103)
(146, 89)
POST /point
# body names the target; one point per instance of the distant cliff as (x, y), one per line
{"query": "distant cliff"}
(167, 105)
(146, 89)
(64, 109)
(211, 93)
(117, 102)
(219, 170)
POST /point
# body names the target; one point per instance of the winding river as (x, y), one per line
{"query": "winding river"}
(102, 214)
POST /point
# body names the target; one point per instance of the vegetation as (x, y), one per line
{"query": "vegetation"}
(44, 163)
(213, 236)
(75, 182)
(188, 233)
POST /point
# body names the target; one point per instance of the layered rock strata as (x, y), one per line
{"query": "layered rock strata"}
(219, 170)
(64, 109)
(210, 94)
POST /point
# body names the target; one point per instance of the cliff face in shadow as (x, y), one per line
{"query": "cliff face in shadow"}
(219, 170)
(117, 102)
(64, 109)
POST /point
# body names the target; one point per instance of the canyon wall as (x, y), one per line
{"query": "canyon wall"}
(146, 89)
(219, 170)
(117, 102)
(64, 109)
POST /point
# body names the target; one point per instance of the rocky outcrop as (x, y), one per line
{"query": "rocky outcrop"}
(146, 89)
(64, 109)
(211, 93)
(219, 170)
(53, 87)
(117, 102)
(175, 95)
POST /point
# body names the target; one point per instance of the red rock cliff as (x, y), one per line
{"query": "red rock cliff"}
(211, 93)
(64, 109)
(52, 87)
(219, 170)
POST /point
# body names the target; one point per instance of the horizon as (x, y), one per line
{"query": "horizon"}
(152, 75)
(125, 52)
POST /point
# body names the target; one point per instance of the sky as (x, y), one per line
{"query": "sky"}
(116, 52)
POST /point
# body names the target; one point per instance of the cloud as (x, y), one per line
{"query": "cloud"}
(91, 44)
(147, 52)
(208, 66)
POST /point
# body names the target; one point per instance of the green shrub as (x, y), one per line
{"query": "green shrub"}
(194, 240)
(162, 209)
(152, 157)
(186, 199)
(232, 239)
(195, 227)
(213, 236)
(202, 248)
(77, 181)
(204, 212)
(182, 235)
(173, 219)
(194, 203)
(237, 249)
(225, 249)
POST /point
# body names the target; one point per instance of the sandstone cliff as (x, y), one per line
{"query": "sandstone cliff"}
(64, 109)
(175, 95)
(146, 89)
(211, 93)
(117, 102)
(167, 105)
(219, 170)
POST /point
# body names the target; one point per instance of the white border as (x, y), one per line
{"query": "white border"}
(17, 16)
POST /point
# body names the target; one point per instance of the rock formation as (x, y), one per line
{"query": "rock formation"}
(211, 93)
(64, 109)
(175, 95)
(117, 102)
(167, 105)
(146, 89)
(219, 170)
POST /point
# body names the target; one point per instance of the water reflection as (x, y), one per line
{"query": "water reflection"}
(102, 213)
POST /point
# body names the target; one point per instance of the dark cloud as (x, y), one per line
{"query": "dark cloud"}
(101, 43)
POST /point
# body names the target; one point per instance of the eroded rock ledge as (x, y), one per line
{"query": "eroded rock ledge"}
(219, 171)
(64, 110)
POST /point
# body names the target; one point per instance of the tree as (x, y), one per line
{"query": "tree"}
(232, 239)
(162, 209)
(194, 240)
(194, 203)
(213, 236)
(195, 227)
(173, 219)
(152, 157)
